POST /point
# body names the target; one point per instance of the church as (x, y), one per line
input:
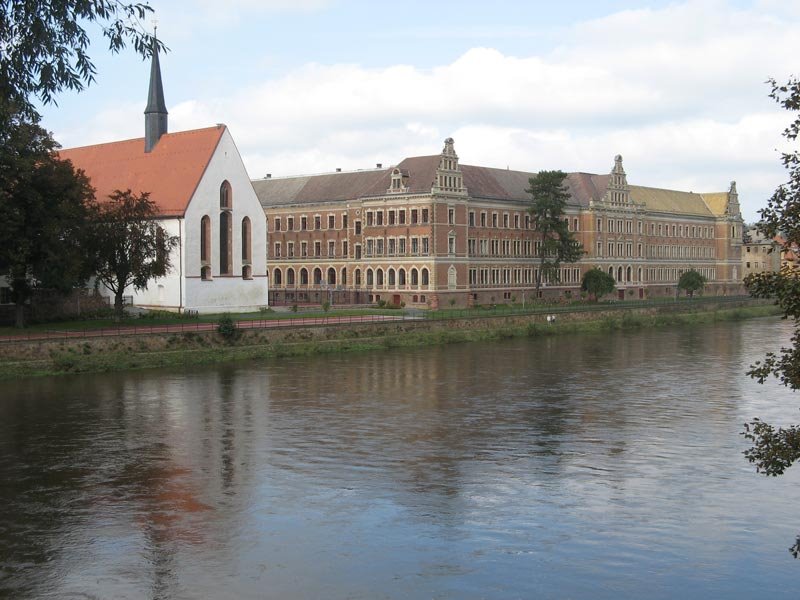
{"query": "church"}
(204, 197)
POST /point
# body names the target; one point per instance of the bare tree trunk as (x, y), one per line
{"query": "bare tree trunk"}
(118, 312)
(19, 314)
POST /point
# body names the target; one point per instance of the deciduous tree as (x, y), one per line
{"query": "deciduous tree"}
(45, 44)
(554, 242)
(775, 449)
(130, 247)
(597, 283)
(691, 282)
(45, 205)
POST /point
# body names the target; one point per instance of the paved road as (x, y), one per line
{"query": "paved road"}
(186, 327)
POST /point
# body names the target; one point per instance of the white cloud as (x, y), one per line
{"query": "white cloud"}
(678, 91)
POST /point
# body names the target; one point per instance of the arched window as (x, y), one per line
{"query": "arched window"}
(247, 272)
(611, 271)
(246, 241)
(343, 279)
(276, 277)
(425, 280)
(225, 196)
(317, 276)
(640, 274)
(289, 276)
(205, 240)
(451, 278)
(391, 278)
(358, 277)
(369, 277)
(331, 276)
(379, 277)
(628, 274)
(401, 278)
(303, 276)
(414, 277)
(619, 274)
(225, 231)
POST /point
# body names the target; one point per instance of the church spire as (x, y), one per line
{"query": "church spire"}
(155, 115)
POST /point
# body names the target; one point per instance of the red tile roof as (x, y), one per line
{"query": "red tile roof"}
(171, 172)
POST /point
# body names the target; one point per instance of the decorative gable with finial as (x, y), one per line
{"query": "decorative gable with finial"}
(732, 207)
(449, 179)
(618, 191)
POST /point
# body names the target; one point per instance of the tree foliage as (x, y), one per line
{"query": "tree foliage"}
(597, 283)
(130, 247)
(555, 243)
(774, 449)
(691, 282)
(44, 44)
(45, 206)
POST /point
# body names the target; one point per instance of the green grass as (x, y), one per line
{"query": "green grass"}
(164, 318)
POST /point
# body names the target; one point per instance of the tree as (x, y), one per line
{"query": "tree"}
(45, 206)
(774, 449)
(692, 282)
(45, 45)
(555, 243)
(597, 283)
(130, 247)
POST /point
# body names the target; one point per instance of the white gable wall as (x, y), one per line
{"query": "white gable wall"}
(225, 292)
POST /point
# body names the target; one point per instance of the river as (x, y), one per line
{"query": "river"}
(582, 466)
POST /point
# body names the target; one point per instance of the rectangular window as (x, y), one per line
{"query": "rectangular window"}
(370, 218)
(516, 221)
(344, 248)
(303, 248)
(505, 220)
(277, 223)
(379, 217)
(415, 246)
(414, 216)
(331, 248)
(483, 219)
(331, 222)
(290, 223)
(370, 246)
(424, 215)
(391, 246)
(317, 248)
(358, 252)
(391, 217)
(424, 246)
(451, 216)
(494, 220)
(379, 246)
(401, 246)
(303, 223)
(344, 221)
(290, 249)
(599, 248)
(401, 217)
(471, 247)
(317, 222)
(610, 226)
(472, 218)
(277, 249)
(358, 227)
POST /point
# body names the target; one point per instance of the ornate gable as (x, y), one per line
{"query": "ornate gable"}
(618, 191)
(449, 179)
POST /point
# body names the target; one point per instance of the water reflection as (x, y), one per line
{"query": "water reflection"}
(585, 466)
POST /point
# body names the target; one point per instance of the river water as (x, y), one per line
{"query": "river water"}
(586, 466)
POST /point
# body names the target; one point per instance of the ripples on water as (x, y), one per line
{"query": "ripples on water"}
(572, 467)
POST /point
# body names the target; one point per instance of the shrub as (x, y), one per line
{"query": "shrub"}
(326, 306)
(226, 327)
(294, 308)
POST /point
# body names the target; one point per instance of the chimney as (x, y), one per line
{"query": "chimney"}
(378, 165)
(155, 115)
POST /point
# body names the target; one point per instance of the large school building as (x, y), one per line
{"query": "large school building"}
(431, 232)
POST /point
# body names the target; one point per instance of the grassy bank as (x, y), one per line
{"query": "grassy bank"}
(188, 349)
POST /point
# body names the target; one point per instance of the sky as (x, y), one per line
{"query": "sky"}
(307, 86)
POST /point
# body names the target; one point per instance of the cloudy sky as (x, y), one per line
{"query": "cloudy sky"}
(677, 88)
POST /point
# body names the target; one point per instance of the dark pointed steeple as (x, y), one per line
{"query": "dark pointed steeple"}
(155, 115)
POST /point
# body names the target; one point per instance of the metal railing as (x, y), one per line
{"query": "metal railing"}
(396, 315)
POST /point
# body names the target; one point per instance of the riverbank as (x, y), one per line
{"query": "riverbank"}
(66, 356)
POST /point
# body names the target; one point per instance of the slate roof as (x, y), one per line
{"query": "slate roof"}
(482, 183)
(171, 172)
